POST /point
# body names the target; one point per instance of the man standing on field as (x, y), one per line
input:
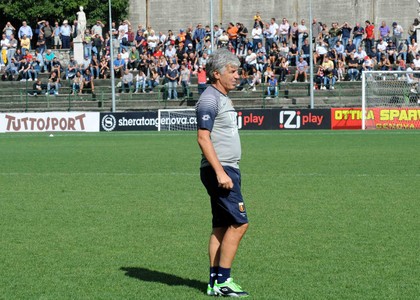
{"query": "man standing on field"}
(221, 152)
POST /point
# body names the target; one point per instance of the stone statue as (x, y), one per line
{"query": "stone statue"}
(81, 23)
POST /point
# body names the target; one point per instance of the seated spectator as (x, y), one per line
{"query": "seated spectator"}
(330, 74)
(72, 68)
(301, 70)
(255, 78)
(24, 71)
(35, 69)
(77, 83)
(261, 62)
(402, 51)
(95, 67)
(126, 81)
(56, 67)
(368, 64)
(384, 64)
(360, 55)
(272, 88)
(401, 65)
(391, 52)
(119, 66)
(38, 88)
(153, 80)
(353, 68)
(133, 58)
(244, 80)
(49, 56)
(250, 60)
(381, 48)
(267, 74)
(25, 44)
(319, 78)
(284, 69)
(350, 48)
(87, 82)
(140, 82)
(12, 69)
(320, 51)
(341, 69)
(104, 67)
(54, 84)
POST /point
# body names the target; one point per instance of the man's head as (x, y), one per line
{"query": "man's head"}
(222, 69)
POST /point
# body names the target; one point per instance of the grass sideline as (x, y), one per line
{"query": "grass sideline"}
(333, 215)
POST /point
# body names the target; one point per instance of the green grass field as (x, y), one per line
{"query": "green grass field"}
(333, 215)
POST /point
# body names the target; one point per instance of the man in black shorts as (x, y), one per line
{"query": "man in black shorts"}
(221, 152)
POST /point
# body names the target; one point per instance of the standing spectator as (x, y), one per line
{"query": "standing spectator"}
(284, 28)
(184, 80)
(199, 34)
(316, 30)
(97, 28)
(9, 30)
(95, 67)
(57, 36)
(25, 30)
(65, 32)
(25, 44)
(384, 31)
(397, 34)
(302, 34)
(172, 76)
(334, 33)
(232, 32)
(271, 35)
(11, 48)
(202, 79)
(41, 44)
(370, 36)
(97, 43)
(358, 32)
(242, 34)
(87, 44)
(3, 55)
(48, 33)
(345, 33)
(256, 36)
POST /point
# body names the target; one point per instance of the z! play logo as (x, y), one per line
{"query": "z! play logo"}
(292, 119)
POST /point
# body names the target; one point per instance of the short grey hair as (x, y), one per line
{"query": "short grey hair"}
(218, 61)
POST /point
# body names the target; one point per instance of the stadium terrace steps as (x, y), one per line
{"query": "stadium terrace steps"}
(14, 97)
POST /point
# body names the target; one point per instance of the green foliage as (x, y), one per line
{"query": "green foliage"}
(32, 11)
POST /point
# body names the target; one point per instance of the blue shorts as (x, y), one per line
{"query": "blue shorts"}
(227, 206)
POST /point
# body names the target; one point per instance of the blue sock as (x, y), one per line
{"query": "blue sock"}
(223, 274)
(213, 275)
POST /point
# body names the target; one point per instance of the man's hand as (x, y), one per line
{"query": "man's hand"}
(225, 181)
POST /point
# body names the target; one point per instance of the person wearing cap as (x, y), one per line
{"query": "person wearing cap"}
(65, 32)
(397, 32)
(367, 64)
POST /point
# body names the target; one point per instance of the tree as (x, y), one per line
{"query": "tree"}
(32, 11)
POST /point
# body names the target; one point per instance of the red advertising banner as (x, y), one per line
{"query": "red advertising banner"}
(376, 118)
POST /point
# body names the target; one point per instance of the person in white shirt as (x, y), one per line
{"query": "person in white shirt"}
(284, 30)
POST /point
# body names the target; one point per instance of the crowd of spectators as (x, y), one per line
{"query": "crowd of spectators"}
(266, 52)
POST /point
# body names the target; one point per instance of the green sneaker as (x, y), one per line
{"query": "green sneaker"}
(229, 289)
(210, 291)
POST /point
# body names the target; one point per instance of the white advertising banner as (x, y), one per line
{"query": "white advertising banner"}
(50, 122)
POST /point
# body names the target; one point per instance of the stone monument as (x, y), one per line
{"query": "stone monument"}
(78, 40)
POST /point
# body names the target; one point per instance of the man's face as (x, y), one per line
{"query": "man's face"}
(228, 79)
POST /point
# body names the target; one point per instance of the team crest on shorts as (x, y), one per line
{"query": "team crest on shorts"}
(241, 206)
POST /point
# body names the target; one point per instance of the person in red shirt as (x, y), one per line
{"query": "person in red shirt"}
(370, 36)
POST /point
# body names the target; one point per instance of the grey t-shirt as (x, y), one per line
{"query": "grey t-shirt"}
(215, 113)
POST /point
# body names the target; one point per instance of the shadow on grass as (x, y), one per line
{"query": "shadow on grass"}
(160, 277)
